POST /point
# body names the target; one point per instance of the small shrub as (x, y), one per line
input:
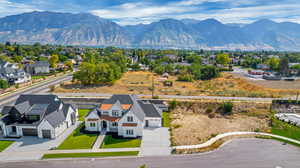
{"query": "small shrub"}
(176, 126)
(257, 130)
(173, 104)
(212, 115)
(227, 108)
(155, 97)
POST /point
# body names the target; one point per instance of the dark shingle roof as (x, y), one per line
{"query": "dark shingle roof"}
(123, 99)
(149, 109)
(55, 118)
(41, 64)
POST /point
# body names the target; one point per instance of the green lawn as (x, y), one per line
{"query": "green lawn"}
(38, 77)
(96, 154)
(166, 119)
(78, 140)
(5, 144)
(285, 129)
(82, 113)
(110, 142)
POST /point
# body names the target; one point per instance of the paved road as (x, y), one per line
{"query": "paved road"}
(42, 87)
(171, 97)
(241, 153)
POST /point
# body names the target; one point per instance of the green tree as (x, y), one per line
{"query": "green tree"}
(273, 63)
(3, 84)
(86, 73)
(69, 65)
(53, 60)
(223, 59)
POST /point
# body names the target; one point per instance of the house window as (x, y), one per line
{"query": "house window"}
(130, 119)
(92, 124)
(115, 113)
(114, 124)
(129, 132)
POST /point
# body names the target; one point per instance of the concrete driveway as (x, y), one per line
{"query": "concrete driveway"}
(32, 148)
(155, 142)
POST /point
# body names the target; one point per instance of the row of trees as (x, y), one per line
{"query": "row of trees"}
(103, 68)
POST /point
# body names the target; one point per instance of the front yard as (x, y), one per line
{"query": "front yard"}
(91, 154)
(5, 144)
(78, 140)
(82, 113)
(111, 142)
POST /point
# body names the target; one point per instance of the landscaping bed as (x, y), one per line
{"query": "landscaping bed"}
(5, 144)
(79, 140)
(166, 119)
(91, 154)
(113, 141)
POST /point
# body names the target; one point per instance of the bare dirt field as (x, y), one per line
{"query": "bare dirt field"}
(193, 123)
(141, 83)
(284, 85)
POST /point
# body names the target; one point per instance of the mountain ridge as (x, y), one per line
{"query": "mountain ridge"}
(89, 30)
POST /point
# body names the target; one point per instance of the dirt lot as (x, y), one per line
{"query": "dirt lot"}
(191, 123)
(284, 85)
(141, 83)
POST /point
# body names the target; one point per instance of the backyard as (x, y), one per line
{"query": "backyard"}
(111, 142)
(82, 113)
(5, 144)
(141, 83)
(78, 140)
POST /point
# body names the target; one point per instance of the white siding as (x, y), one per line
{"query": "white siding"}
(44, 125)
(138, 130)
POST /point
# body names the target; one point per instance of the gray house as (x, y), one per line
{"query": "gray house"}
(12, 73)
(44, 116)
(39, 67)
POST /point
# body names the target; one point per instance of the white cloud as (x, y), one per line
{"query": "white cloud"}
(10, 8)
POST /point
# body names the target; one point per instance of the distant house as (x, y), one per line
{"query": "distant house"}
(12, 73)
(39, 67)
(263, 66)
(124, 115)
(44, 116)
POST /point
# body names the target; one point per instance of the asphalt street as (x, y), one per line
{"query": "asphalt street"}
(41, 87)
(240, 153)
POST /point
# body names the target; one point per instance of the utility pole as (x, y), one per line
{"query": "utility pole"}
(153, 86)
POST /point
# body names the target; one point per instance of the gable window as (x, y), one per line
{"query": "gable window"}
(129, 132)
(115, 113)
(129, 119)
(114, 124)
(92, 124)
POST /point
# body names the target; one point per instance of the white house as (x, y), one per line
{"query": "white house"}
(125, 115)
(45, 116)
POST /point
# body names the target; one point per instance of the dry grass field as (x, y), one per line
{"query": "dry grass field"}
(141, 83)
(193, 123)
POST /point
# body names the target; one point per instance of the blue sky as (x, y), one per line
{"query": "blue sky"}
(136, 11)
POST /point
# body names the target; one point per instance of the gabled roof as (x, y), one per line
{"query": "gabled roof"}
(123, 99)
(55, 118)
(149, 109)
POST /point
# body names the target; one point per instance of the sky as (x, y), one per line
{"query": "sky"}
(131, 12)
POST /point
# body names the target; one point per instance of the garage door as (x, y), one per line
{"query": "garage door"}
(46, 133)
(29, 132)
(153, 122)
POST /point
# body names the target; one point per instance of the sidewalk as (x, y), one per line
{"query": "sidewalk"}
(93, 150)
(220, 136)
(99, 141)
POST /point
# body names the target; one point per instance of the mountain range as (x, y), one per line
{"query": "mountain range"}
(90, 30)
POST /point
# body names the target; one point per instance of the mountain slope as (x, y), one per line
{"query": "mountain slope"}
(90, 30)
